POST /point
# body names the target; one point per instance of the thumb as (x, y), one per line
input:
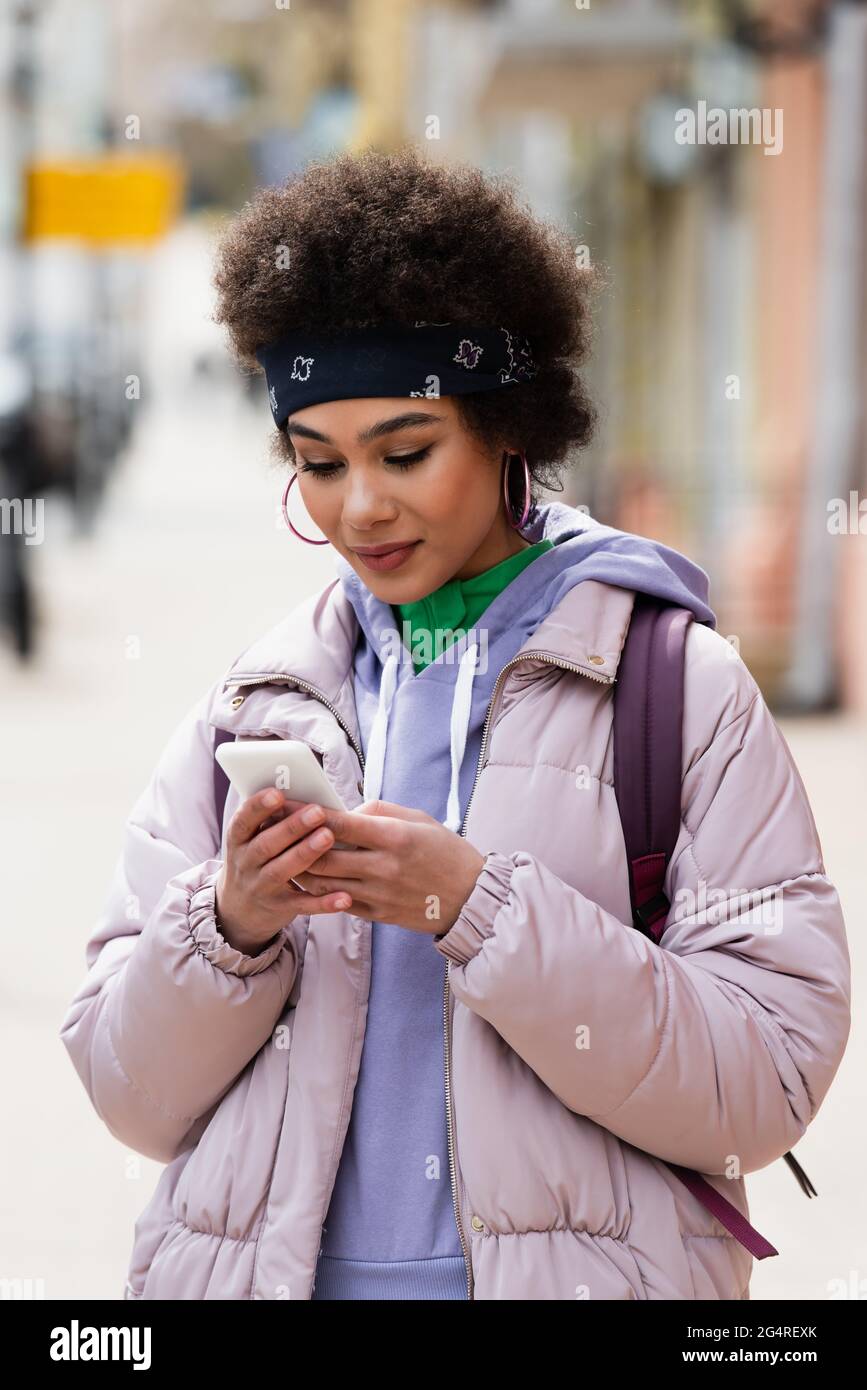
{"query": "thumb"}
(391, 808)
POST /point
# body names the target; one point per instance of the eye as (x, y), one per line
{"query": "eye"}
(322, 470)
(407, 460)
(327, 470)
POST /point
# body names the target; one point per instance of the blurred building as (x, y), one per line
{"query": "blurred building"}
(730, 357)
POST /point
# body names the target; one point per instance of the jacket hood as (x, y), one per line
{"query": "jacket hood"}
(583, 549)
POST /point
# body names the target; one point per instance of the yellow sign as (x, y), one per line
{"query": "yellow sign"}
(107, 201)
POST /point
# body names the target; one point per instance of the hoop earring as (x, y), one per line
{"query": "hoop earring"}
(507, 458)
(308, 539)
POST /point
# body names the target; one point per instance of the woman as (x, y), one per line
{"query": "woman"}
(440, 1063)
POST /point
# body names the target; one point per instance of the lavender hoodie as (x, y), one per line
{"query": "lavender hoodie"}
(390, 1231)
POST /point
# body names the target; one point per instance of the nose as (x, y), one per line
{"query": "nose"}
(365, 500)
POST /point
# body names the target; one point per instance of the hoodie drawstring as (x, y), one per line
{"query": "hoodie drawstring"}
(461, 706)
(375, 760)
(460, 717)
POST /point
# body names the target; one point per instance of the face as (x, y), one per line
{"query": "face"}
(386, 472)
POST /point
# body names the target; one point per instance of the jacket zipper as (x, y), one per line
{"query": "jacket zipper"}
(550, 660)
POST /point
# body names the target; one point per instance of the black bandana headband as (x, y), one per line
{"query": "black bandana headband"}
(426, 359)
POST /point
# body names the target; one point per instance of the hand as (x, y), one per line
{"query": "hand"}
(408, 868)
(254, 896)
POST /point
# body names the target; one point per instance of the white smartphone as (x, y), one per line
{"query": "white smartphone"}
(291, 766)
(252, 765)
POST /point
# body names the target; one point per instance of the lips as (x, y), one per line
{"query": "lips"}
(389, 559)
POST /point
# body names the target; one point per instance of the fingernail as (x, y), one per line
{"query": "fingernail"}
(320, 838)
(312, 815)
(272, 799)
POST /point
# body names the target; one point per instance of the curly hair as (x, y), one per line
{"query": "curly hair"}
(361, 239)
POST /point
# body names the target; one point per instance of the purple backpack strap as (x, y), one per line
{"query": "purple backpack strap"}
(648, 719)
(648, 731)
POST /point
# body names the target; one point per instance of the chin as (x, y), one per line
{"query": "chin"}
(397, 590)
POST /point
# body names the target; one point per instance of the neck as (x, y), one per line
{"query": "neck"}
(497, 546)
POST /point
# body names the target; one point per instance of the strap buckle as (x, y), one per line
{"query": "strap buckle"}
(650, 916)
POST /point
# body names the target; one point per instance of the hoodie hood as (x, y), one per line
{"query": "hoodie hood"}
(465, 673)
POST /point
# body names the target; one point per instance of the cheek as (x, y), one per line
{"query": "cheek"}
(320, 501)
(456, 493)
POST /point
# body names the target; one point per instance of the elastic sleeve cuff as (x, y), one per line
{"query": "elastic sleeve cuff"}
(475, 921)
(202, 921)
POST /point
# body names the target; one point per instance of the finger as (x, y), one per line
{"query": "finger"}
(250, 814)
(298, 858)
(303, 903)
(318, 884)
(314, 888)
(308, 883)
(279, 815)
(294, 805)
(370, 831)
(275, 839)
(391, 808)
(355, 864)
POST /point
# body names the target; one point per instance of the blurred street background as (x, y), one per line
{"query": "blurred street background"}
(142, 545)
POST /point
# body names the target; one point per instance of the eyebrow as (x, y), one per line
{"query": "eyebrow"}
(397, 422)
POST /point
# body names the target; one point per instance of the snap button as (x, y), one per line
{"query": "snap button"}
(239, 700)
(598, 660)
(477, 1223)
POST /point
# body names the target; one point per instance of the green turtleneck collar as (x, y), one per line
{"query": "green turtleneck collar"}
(457, 605)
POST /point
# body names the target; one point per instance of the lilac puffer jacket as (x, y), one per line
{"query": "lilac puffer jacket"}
(579, 1054)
